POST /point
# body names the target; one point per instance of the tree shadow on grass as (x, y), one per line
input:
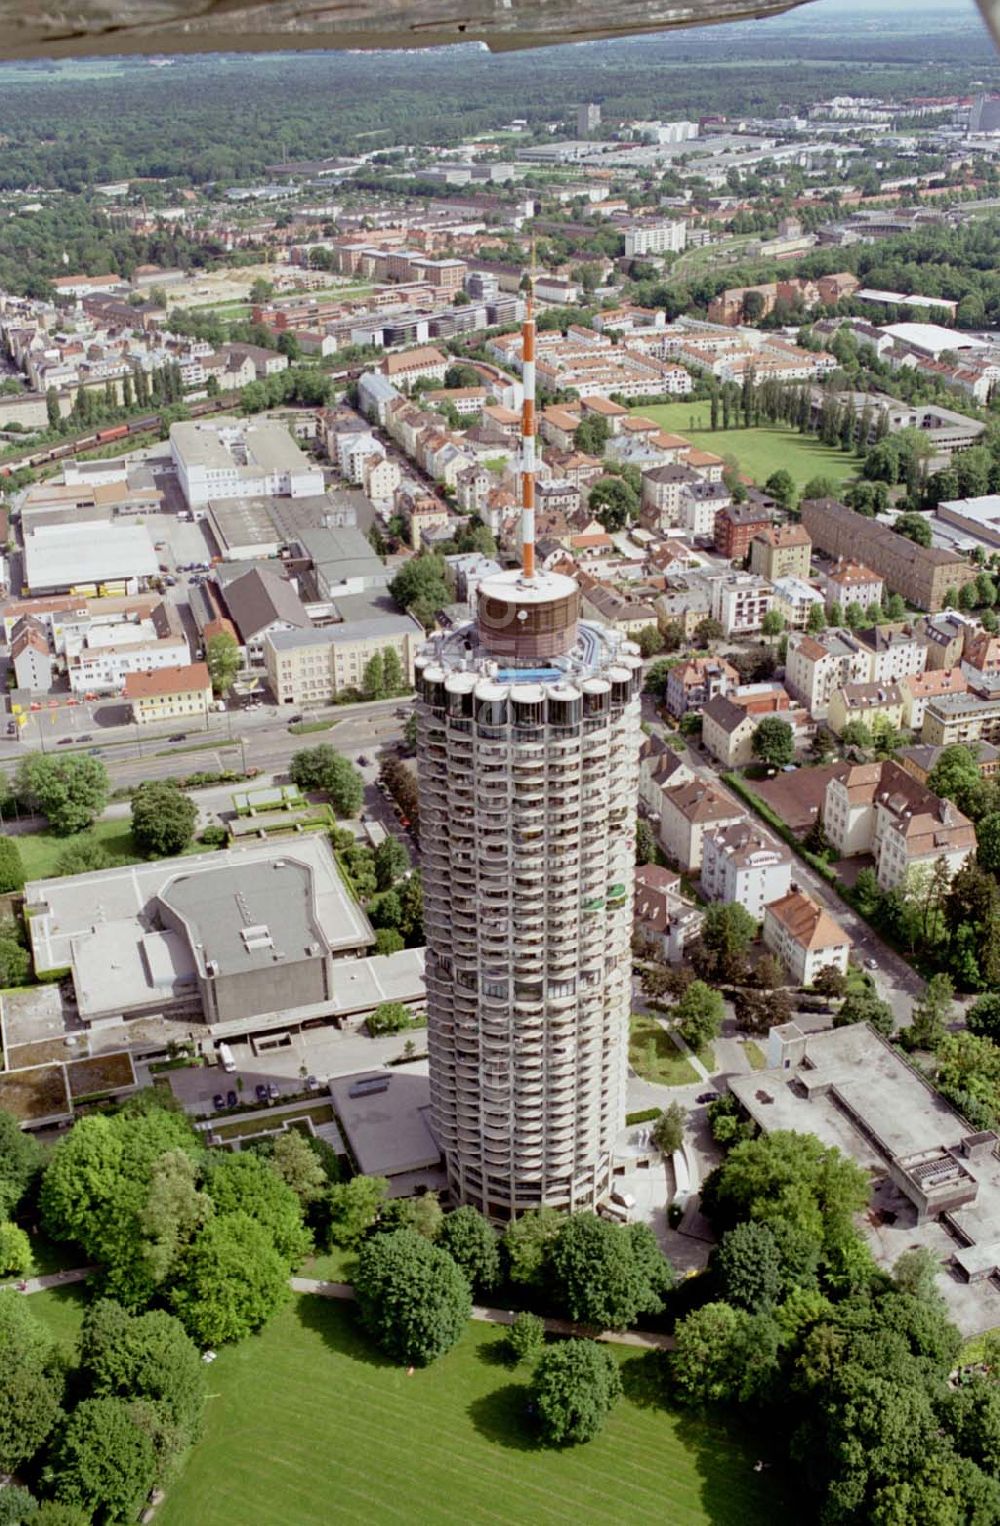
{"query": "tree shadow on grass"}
(502, 1417)
(339, 1323)
(723, 1450)
(496, 1354)
(645, 1380)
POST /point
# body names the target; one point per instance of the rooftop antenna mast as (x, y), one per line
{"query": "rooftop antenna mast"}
(528, 427)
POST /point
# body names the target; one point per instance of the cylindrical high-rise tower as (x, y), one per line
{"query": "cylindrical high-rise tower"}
(528, 742)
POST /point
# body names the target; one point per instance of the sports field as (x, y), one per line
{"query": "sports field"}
(758, 451)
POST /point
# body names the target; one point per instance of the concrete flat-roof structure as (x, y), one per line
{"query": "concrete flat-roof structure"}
(62, 557)
(387, 1126)
(246, 937)
(935, 1181)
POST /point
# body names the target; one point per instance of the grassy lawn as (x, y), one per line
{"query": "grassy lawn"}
(759, 451)
(62, 1310)
(307, 1424)
(755, 1055)
(653, 1054)
(41, 851)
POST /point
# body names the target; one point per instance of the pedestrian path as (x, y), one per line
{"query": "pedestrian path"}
(643, 1339)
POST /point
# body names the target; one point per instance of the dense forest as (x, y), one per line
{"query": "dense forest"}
(226, 117)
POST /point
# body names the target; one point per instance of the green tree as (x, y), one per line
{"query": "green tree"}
(781, 486)
(707, 630)
(773, 623)
(603, 1273)
(299, 1167)
(727, 932)
(83, 855)
(174, 1210)
(614, 502)
(11, 867)
(389, 1017)
(96, 1190)
(527, 1245)
(575, 1387)
(819, 487)
(748, 1265)
(392, 672)
(15, 1251)
(233, 1281)
(391, 862)
(856, 734)
(915, 527)
(15, 961)
(815, 620)
(472, 1244)
(18, 1506)
(421, 586)
(70, 792)
(163, 818)
(708, 1364)
(373, 678)
(931, 1014)
(388, 941)
(866, 1007)
(246, 1184)
(983, 1019)
(323, 768)
(21, 1159)
(698, 1014)
(988, 842)
(31, 1382)
(52, 410)
(144, 1356)
(645, 843)
(355, 1207)
(525, 1337)
(222, 654)
(650, 641)
(103, 1462)
(668, 1131)
(592, 434)
(424, 1215)
(413, 1299)
(773, 742)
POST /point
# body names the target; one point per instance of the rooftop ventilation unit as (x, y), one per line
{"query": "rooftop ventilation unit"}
(256, 937)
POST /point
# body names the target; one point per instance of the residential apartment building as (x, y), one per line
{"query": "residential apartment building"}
(693, 683)
(743, 866)
(664, 237)
(894, 652)
(663, 919)
(817, 665)
(805, 937)
(688, 812)
(918, 688)
(850, 582)
(966, 718)
(881, 809)
(30, 655)
(780, 551)
(527, 799)
(663, 491)
(313, 667)
(740, 600)
(922, 574)
(169, 694)
(795, 600)
(873, 705)
(727, 732)
(736, 526)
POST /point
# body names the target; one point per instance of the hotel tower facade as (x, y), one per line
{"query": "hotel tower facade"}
(527, 744)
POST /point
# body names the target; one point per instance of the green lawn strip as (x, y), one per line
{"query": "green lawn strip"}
(62, 1310)
(759, 451)
(308, 1424)
(973, 1349)
(755, 1055)
(654, 1056)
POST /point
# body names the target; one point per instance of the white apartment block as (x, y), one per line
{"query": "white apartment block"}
(528, 742)
(740, 600)
(815, 666)
(879, 809)
(667, 237)
(893, 654)
(742, 866)
(240, 458)
(98, 661)
(805, 937)
(312, 667)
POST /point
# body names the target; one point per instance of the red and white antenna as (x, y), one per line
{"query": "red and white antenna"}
(528, 429)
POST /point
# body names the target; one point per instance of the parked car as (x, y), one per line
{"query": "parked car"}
(273, 1092)
(261, 1091)
(177, 736)
(231, 1099)
(706, 1097)
(363, 761)
(312, 1083)
(87, 737)
(218, 1102)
